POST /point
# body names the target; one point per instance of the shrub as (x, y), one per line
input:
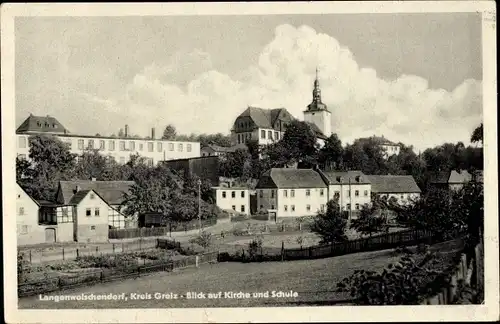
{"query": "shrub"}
(205, 239)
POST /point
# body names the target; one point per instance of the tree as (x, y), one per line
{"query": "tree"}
(330, 225)
(477, 134)
(233, 164)
(91, 164)
(371, 219)
(330, 156)
(367, 155)
(190, 187)
(169, 133)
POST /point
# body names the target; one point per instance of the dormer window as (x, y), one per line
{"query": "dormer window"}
(39, 124)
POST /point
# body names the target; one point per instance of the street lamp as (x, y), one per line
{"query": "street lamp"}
(199, 203)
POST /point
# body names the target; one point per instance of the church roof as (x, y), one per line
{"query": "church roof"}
(41, 124)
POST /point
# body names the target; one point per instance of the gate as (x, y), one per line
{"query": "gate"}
(50, 235)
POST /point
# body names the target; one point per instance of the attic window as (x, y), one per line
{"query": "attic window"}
(92, 196)
(47, 125)
(39, 124)
(54, 126)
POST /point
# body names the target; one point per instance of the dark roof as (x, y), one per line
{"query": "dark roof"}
(78, 197)
(316, 130)
(223, 149)
(343, 177)
(393, 184)
(464, 176)
(110, 191)
(440, 177)
(41, 124)
(27, 194)
(291, 178)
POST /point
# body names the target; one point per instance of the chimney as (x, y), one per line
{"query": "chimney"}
(126, 130)
(153, 133)
(77, 188)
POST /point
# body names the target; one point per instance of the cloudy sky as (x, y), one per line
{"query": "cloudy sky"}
(415, 78)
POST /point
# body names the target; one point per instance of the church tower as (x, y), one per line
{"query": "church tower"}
(317, 112)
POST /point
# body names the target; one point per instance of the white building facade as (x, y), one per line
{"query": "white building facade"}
(233, 198)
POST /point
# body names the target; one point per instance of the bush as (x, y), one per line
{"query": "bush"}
(204, 240)
(240, 232)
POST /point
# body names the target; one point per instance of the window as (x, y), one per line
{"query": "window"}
(348, 206)
(21, 156)
(65, 211)
(22, 142)
(263, 134)
(92, 196)
(150, 146)
(223, 194)
(149, 162)
(272, 206)
(242, 208)
(321, 192)
(170, 146)
(308, 192)
(293, 208)
(180, 148)
(308, 207)
(91, 144)
(239, 139)
(21, 211)
(292, 193)
(357, 206)
(242, 194)
(122, 160)
(276, 135)
(356, 193)
(80, 144)
(285, 193)
(270, 134)
(272, 193)
(322, 207)
(131, 146)
(111, 145)
(337, 194)
(88, 212)
(366, 193)
(261, 194)
(286, 207)
(402, 197)
(233, 194)
(122, 145)
(92, 228)
(97, 212)
(189, 147)
(141, 146)
(159, 146)
(234, 207)
(69, 143)
(102, 145)
(24, 229)
(261, 207)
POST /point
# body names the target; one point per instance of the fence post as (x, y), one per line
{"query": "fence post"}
(63, 252)
(97, 250)
(77, 253)
(123, 247)
(113, 248)
(282, 250)
(197, 261)
(101, 277)
(30, 256)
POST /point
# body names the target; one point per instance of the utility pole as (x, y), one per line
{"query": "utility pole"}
(350, 202)
(199, 203)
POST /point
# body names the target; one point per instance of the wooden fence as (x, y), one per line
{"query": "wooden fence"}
(62, 253)
(158, 231)
(107, 275)
(374, 243)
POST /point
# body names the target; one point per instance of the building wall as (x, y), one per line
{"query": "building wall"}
(266, 199)
(391, 150)
(115, 218)
(65, 224)
(322, 119)
(301, 202)
(120, 149)
(240, 203)
(348, 196)
(28, 230)
(204, 167)
(92, 228)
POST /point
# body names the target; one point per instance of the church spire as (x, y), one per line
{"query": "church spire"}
(316, 103)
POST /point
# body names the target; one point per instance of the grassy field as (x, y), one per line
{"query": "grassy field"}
(313, 280)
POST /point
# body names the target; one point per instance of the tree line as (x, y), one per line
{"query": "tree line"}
(299, 147)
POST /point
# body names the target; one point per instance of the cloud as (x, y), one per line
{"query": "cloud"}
(187, 92)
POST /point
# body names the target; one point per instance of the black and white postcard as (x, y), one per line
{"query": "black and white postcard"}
(250, 162)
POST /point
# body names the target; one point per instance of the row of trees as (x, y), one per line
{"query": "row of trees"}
(156, 189)
(299, 147)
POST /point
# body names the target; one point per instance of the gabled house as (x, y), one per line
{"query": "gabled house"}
(286, 193)
(351, 188)
(27, 213)
(403, 188)
(110, 191)
(454, 180)
(91, 214)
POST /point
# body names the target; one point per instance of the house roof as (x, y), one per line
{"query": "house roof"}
(393, 184)
(41, 124)
(464, 176)
(110, 191)
(440, 177)
(27, 194)
(346, 177)
(222, 149)
(80, 195)
(317, 131)
(291, 178)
